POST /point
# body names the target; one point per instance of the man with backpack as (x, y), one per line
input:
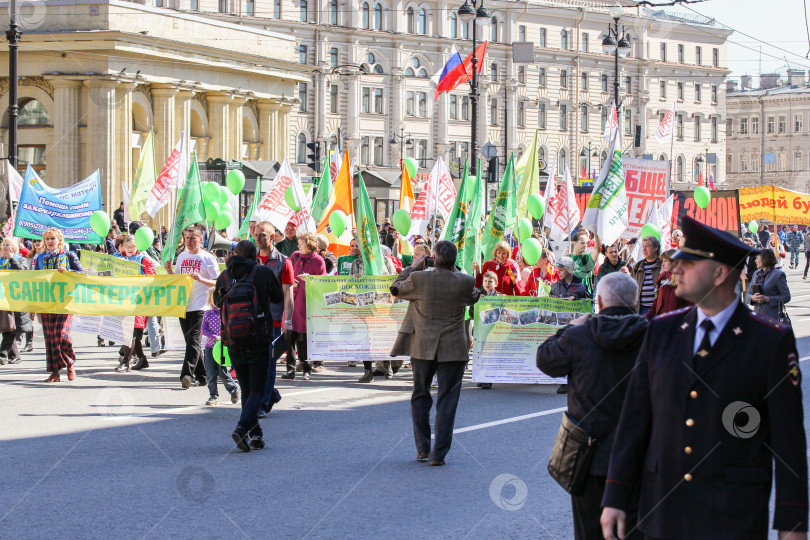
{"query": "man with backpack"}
(244, 292)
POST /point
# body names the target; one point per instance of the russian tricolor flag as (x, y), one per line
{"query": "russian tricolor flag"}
(711, 182)
(456, 71)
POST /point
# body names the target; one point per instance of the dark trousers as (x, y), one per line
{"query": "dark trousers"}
(271, 395)
(300, 340)
(806, 262)
(8, 346)
(251, 370)
(193, 364)
(137, 348)
(450, 375)
(587, 509)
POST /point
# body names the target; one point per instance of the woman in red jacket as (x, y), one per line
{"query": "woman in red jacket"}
(665, 298)
(505, 268)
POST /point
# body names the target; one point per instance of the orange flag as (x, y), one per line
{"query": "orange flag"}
(406, 201)
(340, 199)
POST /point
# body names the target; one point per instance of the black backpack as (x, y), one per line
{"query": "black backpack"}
(244, 322)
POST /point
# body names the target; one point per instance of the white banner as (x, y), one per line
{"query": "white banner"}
(274, 208)
(172, 176)
(109, 327)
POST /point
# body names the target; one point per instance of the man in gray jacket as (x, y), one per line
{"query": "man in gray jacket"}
(433, 335)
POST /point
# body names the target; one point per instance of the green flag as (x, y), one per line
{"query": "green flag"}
(145, 176)
(190, 209)
(472, 245)
(367, 235)
(503, 212)
(321, 198)
(530, 182)
(257, 195)
(455, 228)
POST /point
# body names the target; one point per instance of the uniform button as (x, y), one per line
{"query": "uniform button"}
(693, 393)
(690, 422)
(688, 449)
(687, 477)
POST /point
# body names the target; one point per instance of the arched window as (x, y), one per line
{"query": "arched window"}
(422, 26)
(409, 72)
(378, 17)
(562, 156)
(301, 149)
(453, 24)
(422, 72)
(541, 157)
(662, 157)
(679, 169)
(32, 113)
(365, 17)
(696, 170)
(494, 29)
(409, 20)
(493, 72)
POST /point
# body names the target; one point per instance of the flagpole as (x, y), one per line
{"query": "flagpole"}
(671, 144)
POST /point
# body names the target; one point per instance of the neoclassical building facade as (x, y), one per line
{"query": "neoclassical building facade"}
(96, 75)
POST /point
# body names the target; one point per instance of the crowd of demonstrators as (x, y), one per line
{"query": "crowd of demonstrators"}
(129, 252)
(15, 324)
(665, 298)
(769, 285)
(646, 272)
(505, 268)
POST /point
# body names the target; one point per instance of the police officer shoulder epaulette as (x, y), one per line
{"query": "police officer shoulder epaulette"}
(672, 313)
(768, 321)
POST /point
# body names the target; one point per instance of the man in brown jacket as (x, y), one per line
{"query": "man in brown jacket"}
(432, 334)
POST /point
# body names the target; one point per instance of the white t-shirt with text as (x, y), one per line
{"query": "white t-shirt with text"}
(207, 266)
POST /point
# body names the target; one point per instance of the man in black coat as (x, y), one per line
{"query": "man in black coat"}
(713, 411)
(597, 354)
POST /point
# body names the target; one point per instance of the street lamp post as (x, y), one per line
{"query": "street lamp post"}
(616, 43)
(475, 12)
(588, 153)
(13, 36)
(403, 140)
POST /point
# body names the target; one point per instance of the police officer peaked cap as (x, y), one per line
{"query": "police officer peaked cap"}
(704, 242)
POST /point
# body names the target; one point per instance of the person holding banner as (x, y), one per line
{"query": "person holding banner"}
(9, 352)
(56, 326)
(129, 252)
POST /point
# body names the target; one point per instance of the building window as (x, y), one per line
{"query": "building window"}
(583, 81)
(422, 156)
(454, 107)
(366, 16)
(679, 169)
(465, 30)
(797, 161)
(410, 103)
(662, 89)
(378, 151)
(493, 25)
(223, 6)
(250, 8)
(583, 118)
(365, 100)
(333, 12)
(493, 72)
(334, 56)
(276, 9)
(679, 126)
(585, 44)
(782, 160)
(564, 78)
(465, 108)
(755, 162)
(716, 57)
(628, 122)
(522, 33)
(563, 159)
(378, 17)
(628, 85)
(663, 52)
(797, 123)
(541, 77)
(364, 151)
(754, 125)
(541, 115)
(714, 129)
(33, 113)
(771, 125)
(333, 98)
(697, 92)
(564, 39)
(453, 24)
(729, 127)
(301, 149)
(680, 91)
(521, 74)
(563, 118)
(542, 37)
(521, 113)
(603, 116)
(410, 21)
(698, 55)
(421, 22)
(422, 101)
(302, 95)
(714, 93)
(743, 126)
(302, 54)
(303, 10)
(604, 82)
(782, 124)
(194, 5)
(697, 128)
(493, 112)
(378, 101)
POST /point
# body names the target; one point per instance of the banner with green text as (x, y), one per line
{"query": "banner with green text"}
(49, 291)
(352, 318)
(508, 330)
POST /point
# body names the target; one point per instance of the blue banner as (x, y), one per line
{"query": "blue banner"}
(69, 209)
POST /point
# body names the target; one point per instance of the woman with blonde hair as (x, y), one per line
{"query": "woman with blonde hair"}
(56, 326)
(505, 268)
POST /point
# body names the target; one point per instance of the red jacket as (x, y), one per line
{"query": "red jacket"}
(665, 298)
(508, 277)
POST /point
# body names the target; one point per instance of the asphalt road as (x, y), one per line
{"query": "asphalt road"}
(136, 456)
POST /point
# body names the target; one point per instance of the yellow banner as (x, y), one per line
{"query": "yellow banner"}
(776, 204)
(49, 291)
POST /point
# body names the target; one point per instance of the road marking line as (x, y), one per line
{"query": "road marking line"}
(508, 420)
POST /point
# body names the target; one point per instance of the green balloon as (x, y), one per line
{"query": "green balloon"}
(211, 191)
(235, 181)
(650, 230)
(224, 195)
(402, 221)
(524, 229)
(411, 166)
(217, 351)
(144, 238)
(537, 206)
(752, 226)
(100, 222)
(211, 210)
(223, 220)
(531, 250)
(289, 198)
(337, 222)
(702, 196)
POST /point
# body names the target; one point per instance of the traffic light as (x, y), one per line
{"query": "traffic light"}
(314, 156)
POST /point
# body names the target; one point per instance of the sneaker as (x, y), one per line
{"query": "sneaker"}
(28, 348)
(235, 397)
(305, 376)
(351, 364)
(186, 381)
(211, 401)
(317, 369)
(240, 437)
(256, 443)
(562, 389)
(156, 354)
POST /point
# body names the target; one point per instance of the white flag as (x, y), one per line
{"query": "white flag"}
(664, 131)
(274, 208)
(15, 183)
(612, 124)
(551, 192)
(126, 204)
(172, 176)
(441, 191)
(606, 211)
(661, 217)
(565, 209)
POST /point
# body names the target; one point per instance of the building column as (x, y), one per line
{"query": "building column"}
(321, 92)
(123, 143)
(163, 102)
(237, 127)
(63, 170)
(182, 116)
(268, 128)
(284, 131)
(101, 139)
(483, 113)
(442, 119)
(353, 117)
(219, 123)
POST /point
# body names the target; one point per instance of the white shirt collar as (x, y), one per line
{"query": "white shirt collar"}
(719, 320)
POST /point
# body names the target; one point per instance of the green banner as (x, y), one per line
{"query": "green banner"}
(352, 318)
(508, 330)
(101, 262)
